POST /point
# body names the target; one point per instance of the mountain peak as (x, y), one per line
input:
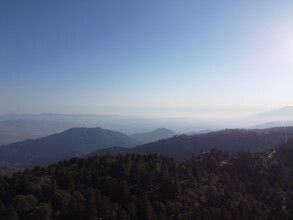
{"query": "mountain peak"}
(155, 135)
(74, 139)
(162, 129)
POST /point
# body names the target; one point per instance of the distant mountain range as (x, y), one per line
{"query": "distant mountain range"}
(281, 113)
(97, 141)
(199, 132)
(53, 116)
(160, 133)
(183, 147)
(75, 141)
(64, 145)
(18, 127)
(274, 124)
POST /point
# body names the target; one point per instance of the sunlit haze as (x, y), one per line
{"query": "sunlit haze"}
(148, 58)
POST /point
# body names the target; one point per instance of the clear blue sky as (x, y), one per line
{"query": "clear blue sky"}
(145, 57)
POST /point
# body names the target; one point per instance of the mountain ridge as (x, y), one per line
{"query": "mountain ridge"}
(280, 112)
(155, 135)
(182, 147)
(74, 139)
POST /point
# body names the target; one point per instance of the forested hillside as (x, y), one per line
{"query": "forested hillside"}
(213, 185)
(183, 147)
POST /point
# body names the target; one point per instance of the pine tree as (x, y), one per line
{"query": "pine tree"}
(90, 207)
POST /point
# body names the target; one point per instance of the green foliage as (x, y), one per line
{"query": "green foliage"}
(213, 185)
(24, 203)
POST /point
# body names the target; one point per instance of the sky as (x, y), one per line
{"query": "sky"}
(164, 58)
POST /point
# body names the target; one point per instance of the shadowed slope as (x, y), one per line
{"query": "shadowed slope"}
(74, 139)
(183, 147)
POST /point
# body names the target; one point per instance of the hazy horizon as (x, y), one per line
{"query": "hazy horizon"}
(192, 59)
(134, 123)
(171, 112)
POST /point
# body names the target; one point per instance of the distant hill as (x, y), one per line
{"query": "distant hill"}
(199, 132)
(160, 133)
(281, 113)
(62, 145)
(183, 147)
(273, 124)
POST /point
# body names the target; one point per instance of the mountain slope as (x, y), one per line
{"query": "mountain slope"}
(183, 147)
(74, 139)
(160, 133)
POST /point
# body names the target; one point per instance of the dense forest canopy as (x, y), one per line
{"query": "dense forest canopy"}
(212, 185)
